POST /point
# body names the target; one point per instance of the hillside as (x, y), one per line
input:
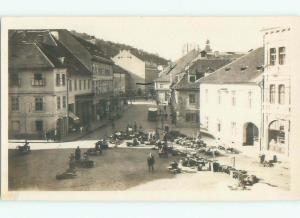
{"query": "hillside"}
(110, 49)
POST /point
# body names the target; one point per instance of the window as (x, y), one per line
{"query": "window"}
(233, 98)
(161, 86)
(57, 79)
(272, 94)
(166, 96)
(89, 84)
(272, 56)
(219, 97)
(38, 80)
(38, 76)
(15, 103)
(84, 84)
(75, 85)
(64, 102)
(192, 99)
(281, 55)
(79, 84)
(192, 79)
(70, 85)
(250, 99)
(233, 128)
(63, 79)
(191, 117)
(107, 72)
(58, 102)
(39, 125)
(38, 104)
(281, 94)
(206, 95)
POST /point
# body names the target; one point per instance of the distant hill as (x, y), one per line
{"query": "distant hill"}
(111, 49)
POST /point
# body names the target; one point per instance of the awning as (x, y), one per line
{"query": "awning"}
(74, 117)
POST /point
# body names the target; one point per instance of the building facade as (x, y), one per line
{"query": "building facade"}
(63, 83)
(37, 92)
(162, 89)
(142, 72)
(231, 99)
(279, 67)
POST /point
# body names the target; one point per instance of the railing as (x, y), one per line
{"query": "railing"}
(40, 82)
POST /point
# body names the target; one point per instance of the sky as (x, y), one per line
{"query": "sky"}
(166, 36)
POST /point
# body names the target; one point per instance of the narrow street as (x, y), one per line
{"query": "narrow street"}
(136, 112)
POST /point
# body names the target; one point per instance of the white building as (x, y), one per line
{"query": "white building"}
(280, 64)
(230, 100)
(143, 72)
(162, 87)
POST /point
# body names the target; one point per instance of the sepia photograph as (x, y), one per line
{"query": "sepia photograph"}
(150, 108)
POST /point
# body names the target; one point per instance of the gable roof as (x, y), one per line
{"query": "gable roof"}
(246, 69)
(78, 50)
(28, 56)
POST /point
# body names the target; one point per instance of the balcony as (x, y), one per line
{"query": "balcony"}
(38, 83)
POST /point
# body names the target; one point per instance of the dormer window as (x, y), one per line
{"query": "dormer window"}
(244, 68)
(227, 68)
(61, 60)
(258, 68)
(192, 78)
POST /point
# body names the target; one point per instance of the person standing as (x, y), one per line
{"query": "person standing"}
(77, 154)
(150, 162)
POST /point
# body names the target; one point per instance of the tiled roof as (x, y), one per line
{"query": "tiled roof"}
(200, 67)
(78, 50)
(182, 62)
(246, 69)
(72, 63)
(27, 56)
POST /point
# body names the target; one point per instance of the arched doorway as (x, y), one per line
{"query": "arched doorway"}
(250, 134)
(278, 135)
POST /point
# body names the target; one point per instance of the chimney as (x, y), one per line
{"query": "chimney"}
(61, 60)
(55, 34)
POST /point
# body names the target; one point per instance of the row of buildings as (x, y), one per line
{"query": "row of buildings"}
(242, 100)
(58, 82)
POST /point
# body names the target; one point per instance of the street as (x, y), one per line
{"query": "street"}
(125, 168)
